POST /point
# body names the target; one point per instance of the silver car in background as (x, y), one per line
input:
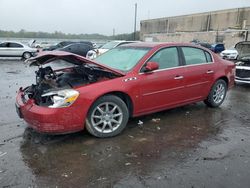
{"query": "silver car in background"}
(92, 54)
(242, 74)
(16, 49)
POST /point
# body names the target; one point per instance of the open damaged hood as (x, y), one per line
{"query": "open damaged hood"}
(49, 56)
(243, 49)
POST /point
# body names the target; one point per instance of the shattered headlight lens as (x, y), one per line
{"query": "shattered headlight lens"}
(62, 98)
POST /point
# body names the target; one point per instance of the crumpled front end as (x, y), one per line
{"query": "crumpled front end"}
(243, 72)
(49, 120)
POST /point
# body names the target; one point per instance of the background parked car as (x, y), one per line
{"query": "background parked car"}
(92, 54)
(217, 48)
(204, 44)
(42, 44)
(16, 49)
(243, 62)
(78, 48)
(65, 43)
(230, 53)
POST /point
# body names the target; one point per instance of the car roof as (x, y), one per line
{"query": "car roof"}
(11, 42)
(158, 44)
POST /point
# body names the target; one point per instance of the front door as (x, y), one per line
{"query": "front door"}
(164, 87)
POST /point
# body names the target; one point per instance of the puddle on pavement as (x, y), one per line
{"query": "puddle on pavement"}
(163, 138)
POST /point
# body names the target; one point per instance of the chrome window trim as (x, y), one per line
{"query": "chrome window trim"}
(159, 70)
(181, 66)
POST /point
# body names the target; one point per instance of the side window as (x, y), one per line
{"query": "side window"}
(194, 56)
(166, 58)
(208, 56)
(15, 45)
(3, 45)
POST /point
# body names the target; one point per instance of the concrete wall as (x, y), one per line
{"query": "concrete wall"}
(229, 38)
(227, 24)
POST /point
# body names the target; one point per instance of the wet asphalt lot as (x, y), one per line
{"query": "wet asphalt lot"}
(191, 146)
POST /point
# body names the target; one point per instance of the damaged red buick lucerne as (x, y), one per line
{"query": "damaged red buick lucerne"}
(127, 81)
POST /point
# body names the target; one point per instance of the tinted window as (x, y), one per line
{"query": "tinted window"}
(166, 58)
(194, 55)
(3, 45)
(15, 45)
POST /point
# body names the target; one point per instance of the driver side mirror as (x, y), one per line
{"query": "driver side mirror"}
(151, 66)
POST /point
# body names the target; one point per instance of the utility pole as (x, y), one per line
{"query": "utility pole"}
(135, 21)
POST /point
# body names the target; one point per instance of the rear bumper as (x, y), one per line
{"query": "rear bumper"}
(50, 120)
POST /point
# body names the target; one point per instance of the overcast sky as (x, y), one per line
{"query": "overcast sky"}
(98, 16)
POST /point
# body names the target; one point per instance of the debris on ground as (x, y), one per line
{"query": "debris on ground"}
(101, 178)
(127, 164)
(65, 175)
(140, 123)
(2, 153)
(142, 139)
(131, 155)
(156, 120)
(130, 136)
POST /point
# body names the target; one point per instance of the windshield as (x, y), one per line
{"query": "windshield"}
(122, 58)
(110, 45)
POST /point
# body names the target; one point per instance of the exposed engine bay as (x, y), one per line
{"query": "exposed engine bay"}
(49, 80)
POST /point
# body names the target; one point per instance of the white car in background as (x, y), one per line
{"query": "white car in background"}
(92, 54)
(230, 53)
(16, 49)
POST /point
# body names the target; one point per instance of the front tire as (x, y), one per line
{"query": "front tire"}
(26, 55)
(107, 117)
(217, 94)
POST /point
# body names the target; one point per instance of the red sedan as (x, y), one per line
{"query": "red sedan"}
(128, 81)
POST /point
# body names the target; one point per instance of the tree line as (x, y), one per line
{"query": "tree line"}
(60, 35)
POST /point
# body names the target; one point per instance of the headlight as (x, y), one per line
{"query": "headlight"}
(62, 98)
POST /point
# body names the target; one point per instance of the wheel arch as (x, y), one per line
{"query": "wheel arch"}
(223, 78)
(124, 97)
(26, 52)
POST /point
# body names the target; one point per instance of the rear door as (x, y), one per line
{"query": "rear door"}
(15, 49)
(164, 87)
(3, 49)
(198, 74)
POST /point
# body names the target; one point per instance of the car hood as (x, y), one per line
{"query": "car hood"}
(31, 43)
(49, 56)
(102, 50)
(243, 49)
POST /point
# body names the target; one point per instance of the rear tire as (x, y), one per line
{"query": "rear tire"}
(217, 94)
(107, 117)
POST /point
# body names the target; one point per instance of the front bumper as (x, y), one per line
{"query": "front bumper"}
(242, 74)
(50, 120)
(242, 80)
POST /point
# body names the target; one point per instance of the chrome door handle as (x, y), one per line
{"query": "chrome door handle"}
(178, 77)
(210, 72)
